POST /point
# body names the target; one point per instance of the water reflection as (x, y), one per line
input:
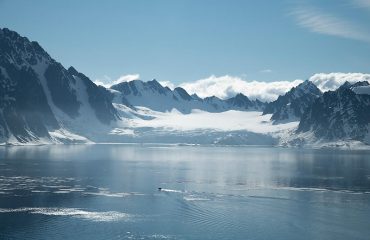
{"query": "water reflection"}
(208, 192)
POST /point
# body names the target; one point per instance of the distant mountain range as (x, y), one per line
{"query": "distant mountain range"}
(153, 95)
(43, 102)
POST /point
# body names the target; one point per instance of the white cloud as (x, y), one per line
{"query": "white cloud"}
(228, 86)
(328, 24)
(127, 78)
(331, 81)
(107, 81)
(266, 71)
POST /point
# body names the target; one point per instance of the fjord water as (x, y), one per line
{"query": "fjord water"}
(111, 192)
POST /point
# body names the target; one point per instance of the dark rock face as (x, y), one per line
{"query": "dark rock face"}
(339, 114)
(242, 102)
(99, 98)
(63, 95)
(19, 50)
(292, 105)
(183, 94)
(155, 86)
(131, 87)
(218, 104)
(127, 88)
(24, 111)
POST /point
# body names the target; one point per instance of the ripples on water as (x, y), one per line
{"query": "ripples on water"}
(111, 192)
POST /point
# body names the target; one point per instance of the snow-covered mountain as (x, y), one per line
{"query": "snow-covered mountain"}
(41, 101)
(291, 106)
(153, 95)
(343, 114)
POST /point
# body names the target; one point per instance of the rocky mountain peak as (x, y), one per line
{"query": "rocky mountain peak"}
(290, 106)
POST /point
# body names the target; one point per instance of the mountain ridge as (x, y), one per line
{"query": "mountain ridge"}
(41, 102)
(339, 114)
(37, 92)
(291, 105)
(153, 95)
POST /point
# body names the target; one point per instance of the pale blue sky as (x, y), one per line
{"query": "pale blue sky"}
(180, 41)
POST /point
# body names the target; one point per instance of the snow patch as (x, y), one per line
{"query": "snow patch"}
(362, 90)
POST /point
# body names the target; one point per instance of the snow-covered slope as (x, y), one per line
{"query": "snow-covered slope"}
(360, 87)
(198, 127)
(224, 121)
(362, 90)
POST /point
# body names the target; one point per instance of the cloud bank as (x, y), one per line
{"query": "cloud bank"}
(228, 86)
(331, 81)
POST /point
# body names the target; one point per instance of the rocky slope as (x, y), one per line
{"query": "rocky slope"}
(291, 106)
(39, 96)
(339, 115)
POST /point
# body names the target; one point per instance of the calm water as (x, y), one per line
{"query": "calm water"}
(111, 192)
